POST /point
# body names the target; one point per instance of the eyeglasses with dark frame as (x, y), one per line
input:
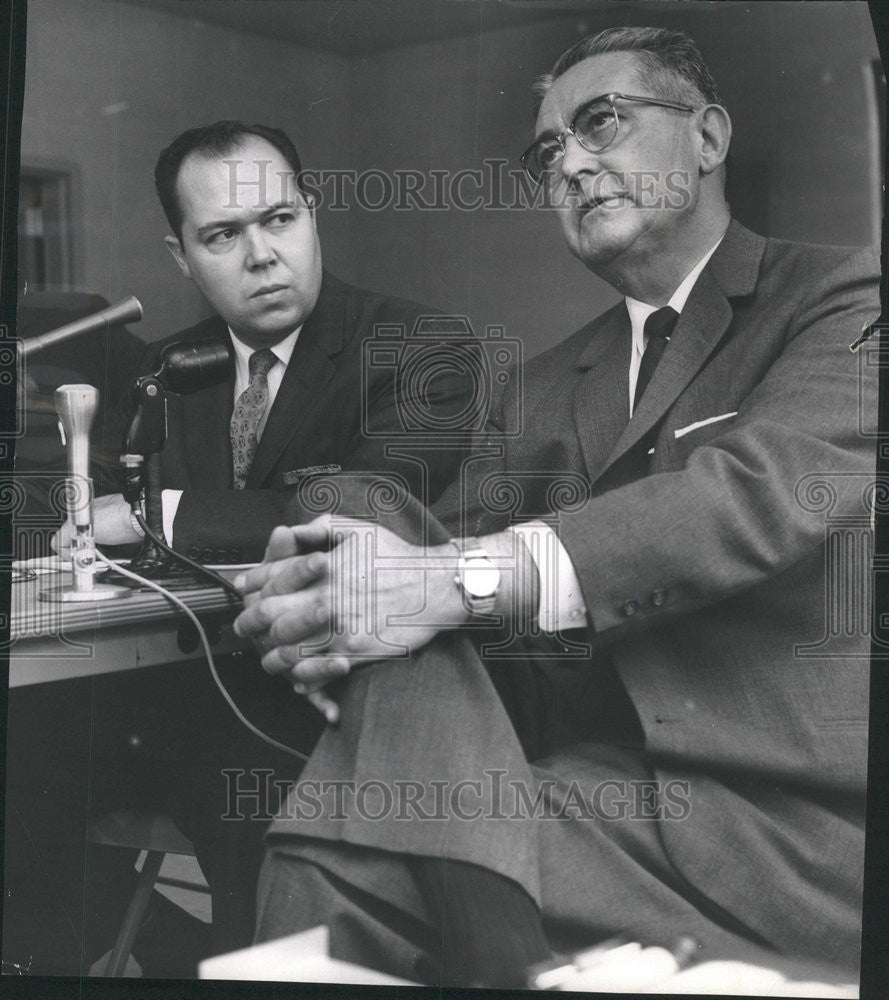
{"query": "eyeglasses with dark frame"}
(595, 126)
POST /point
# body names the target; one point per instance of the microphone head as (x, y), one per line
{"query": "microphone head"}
(186, 368)
(76, 406)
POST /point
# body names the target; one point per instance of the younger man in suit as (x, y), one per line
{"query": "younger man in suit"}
(693, 758)
(301, 401)
(245, 233)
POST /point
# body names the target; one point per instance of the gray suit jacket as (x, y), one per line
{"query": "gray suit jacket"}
(722, 540)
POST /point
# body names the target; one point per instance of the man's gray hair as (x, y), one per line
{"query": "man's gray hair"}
(669, 63)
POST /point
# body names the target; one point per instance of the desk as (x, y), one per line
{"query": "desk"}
(51, 641)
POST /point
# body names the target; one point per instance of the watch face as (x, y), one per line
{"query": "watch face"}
(480, 578)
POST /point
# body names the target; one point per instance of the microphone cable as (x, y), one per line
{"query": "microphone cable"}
(203, 637)
(210, 574)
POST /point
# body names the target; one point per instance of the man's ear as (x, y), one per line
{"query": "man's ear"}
(175, 248)
(716, 134)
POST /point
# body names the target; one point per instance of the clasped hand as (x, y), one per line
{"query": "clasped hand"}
(332, 594)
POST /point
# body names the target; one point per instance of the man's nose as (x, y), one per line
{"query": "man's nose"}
(258, 248)
(576, 159)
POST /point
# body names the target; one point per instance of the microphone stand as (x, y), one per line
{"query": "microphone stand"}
(76, 406)
(142, 461)
(184, 368)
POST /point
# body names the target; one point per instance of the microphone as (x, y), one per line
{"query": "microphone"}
(182, 368)
(186, 368)
(76, 406)
(127, 311)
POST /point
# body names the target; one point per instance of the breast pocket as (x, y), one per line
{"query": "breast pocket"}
(699, 425)
(676, 445)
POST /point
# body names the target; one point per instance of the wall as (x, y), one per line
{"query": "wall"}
(791, 74)
(86, 56)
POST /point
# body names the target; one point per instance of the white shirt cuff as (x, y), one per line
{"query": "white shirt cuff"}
(561, 599)
(170, 504)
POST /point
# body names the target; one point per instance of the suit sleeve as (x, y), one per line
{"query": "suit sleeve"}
(737, 513)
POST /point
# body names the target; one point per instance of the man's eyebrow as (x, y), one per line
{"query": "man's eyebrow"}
(232, 223)
(575, 111)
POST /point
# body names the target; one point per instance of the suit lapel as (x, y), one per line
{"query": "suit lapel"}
(601, 398)
(311, 368)
(731, 272)
(700, 327)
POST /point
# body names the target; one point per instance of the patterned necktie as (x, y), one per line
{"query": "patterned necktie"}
(658, 328)
(248, 412)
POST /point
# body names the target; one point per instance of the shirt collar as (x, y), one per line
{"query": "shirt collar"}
(640, 311)
(282, 350)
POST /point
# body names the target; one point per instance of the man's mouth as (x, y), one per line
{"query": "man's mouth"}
(269, 290)
(600, 201)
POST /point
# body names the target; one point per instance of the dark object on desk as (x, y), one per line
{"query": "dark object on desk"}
(181, 368)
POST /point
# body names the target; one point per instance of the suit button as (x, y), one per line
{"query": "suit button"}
(659, 598)
(206, 555)
(629, 608)
(194, 552)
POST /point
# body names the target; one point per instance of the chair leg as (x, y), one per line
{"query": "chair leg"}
(132, 920)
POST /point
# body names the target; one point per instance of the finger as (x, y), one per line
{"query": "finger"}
(301, 613)
(315, 671)
(296, 573)
(281, 544)
(282, 657)
(314, 535)
(254, 579)
(282, 576)
(307, 617)
(326, 705)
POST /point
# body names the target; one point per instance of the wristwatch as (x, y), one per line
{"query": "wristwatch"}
(477, 578)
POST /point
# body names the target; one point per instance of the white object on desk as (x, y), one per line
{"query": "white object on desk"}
(76, 406)
(299, 958)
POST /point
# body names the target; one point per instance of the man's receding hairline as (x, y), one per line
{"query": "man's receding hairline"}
(239, 145)
(637, 72)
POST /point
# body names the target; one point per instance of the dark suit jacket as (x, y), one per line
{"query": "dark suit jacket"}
(722, 540)
(330, 397)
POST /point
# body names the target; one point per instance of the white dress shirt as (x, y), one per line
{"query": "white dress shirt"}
(282, 351)
(561, 598)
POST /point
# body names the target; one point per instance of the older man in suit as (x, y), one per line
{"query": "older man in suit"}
(302, 400)
(693, 758)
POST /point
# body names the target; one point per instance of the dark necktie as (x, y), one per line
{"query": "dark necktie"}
(658, 328)
(249, 410)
